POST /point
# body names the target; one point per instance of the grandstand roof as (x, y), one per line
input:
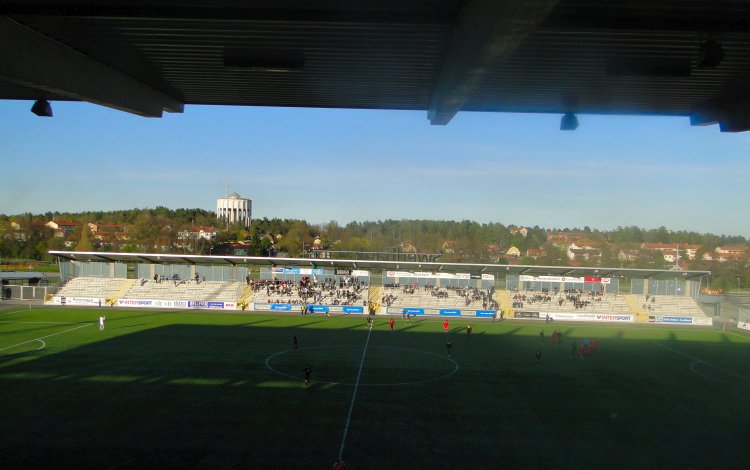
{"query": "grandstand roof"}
(473, 268)
(667, 57)
(26, 275)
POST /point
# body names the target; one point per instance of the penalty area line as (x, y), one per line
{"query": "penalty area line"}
(354, 394)
(697, 360)
(41, 322)
(11, 313)
(43, 337)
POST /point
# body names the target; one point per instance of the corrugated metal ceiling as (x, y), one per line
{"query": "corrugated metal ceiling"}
(390, 54)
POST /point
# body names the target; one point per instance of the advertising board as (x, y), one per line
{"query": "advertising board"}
(428, 275)
(159, 303)
(444, 312)
(682, 320)
(265, 307)
(79, 301)
(568, 279)
(570, 316)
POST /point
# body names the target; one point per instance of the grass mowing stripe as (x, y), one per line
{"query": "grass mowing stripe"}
(42, 337)
(704, 362)
(10, 313)
(354, 394)
(190, 390)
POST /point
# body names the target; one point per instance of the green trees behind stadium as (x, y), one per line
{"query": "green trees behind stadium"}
(25, 236)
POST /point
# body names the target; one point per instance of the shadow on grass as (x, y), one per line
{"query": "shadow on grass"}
(39, 328)
(311, 323)
(130, 326)
(256, 322)
(201, 396)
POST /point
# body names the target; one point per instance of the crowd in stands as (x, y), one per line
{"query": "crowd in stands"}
(577, 297)
(471, 296)
(649, 305)
(580, 299)
(474, 295)
(388, 299)
(329, 291)
(174, 279)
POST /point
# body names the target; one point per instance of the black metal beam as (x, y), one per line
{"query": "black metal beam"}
(488, 33)
(33, 60)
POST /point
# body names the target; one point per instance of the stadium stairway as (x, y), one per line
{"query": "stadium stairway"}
(246, 297)
(124, 287)
(375, 296)
(503, 299)
(640, 314)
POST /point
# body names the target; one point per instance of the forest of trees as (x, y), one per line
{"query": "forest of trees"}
(156, 230)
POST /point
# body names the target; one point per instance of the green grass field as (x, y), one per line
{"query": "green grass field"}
(211, 390)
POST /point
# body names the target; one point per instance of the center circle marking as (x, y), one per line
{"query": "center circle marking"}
(270, 358)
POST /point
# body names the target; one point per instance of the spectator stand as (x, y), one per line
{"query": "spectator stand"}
(318, 290)
(597, 298)
(418, 287)
(567, 298)
(438, 294)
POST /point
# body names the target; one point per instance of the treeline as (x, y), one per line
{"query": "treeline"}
(130, 216)
(25, 236)
(460, 241)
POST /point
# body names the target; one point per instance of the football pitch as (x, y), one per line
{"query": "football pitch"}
(167, 389)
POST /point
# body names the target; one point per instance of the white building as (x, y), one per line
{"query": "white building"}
(234, 208)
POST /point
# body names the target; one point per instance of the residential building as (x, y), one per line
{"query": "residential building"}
(513, 252)
(583, 251)
(62, 228)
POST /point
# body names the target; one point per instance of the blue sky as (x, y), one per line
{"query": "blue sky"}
(344, 165)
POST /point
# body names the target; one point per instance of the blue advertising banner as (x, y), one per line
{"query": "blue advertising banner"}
(677, 319)
(445, 312)
(282, 307)
(450, 312)
(315, 271)
(353, 309)
(318, 308)
(486, 313)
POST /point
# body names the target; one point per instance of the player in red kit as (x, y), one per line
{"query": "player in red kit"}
(445, 326)
(390, 323)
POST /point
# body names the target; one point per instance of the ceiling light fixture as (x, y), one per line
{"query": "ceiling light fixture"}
(569, 122)
(42, 108)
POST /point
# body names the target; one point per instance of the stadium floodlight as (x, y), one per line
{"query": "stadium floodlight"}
(569, 122)
(710, 54)
(42, 108)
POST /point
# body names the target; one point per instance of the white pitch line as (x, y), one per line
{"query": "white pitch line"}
(9, 313)
(394, 384)
(704, 362)
(354, 394)
(40, 322)
(735, 334)
(42, 337)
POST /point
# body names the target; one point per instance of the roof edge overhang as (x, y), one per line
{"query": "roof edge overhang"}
(474, 268)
